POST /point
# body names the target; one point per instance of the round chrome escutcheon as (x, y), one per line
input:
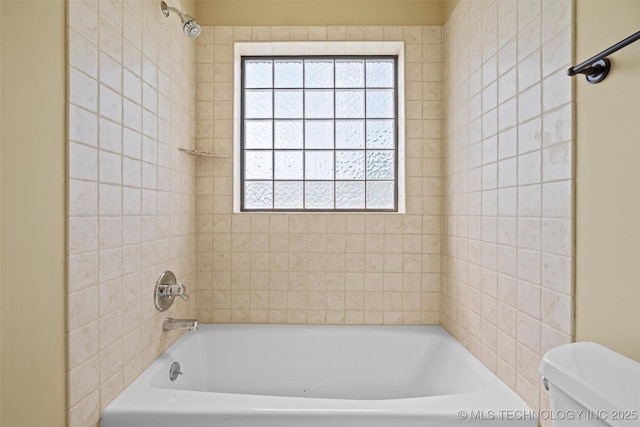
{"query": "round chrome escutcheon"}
(162, 301)
(174, 371)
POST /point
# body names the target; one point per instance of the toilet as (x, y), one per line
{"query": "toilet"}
(591, 386)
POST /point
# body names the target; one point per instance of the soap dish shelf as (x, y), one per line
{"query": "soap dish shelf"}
(199, 153)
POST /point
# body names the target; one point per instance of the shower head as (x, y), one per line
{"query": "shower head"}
(189, 25)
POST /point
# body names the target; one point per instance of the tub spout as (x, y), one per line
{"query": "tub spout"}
(170, 324)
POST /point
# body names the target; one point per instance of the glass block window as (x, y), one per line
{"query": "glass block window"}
(319, 133)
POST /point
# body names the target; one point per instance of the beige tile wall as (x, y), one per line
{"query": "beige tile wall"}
(320, 268)
(508, 250)
(131, 200)
(503, 189)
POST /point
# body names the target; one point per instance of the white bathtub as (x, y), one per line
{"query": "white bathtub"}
(302, 376)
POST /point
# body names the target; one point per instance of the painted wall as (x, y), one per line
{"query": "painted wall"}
(131, 197)
(32, 214)
(448, 6)
(508, 176)
(323, 12)
(190, 7)
(608, 201)
(320, 268)
(1, 260)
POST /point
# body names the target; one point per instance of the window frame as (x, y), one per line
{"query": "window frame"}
(322, 50)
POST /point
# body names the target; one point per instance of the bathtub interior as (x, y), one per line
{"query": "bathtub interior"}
(321, 362)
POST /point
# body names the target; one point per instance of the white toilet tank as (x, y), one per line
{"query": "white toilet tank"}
(592, 386)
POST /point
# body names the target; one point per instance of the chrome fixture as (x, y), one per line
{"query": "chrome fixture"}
(174, 371)
(167, 288)
(189, 25)
(170, 324)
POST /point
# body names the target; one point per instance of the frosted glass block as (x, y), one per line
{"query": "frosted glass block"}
(350, 134)
(350, 104)
(288, 134)
(318, 134)
(258, 134)
(288, 165)
(288, 195)
(350, 195)
(380, 134)
(288, 104)
(287, 73)
(258, 195)
(380, 195)
(380, 104)
(380, 73)
(318, 165)
(258, 165)
(258, 104)
(318, 195)
(318, 104)
(258, 74)
(350, 73)
(380, 165)
(318, 73)
(349, 164)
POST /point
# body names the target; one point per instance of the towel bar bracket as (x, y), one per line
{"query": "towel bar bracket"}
(596, 72)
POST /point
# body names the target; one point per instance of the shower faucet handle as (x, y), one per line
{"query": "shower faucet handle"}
(173, 290)
(182, 291)
(167, 288)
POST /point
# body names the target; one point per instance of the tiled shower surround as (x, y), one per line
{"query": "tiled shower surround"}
(319, 268)
(484, 248)
(131, 192)
(508, 173)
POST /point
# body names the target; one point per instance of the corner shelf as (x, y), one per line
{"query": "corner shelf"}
(199, 153)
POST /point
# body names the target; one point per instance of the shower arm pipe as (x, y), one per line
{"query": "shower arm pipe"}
(597, 67)
(166, 8)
